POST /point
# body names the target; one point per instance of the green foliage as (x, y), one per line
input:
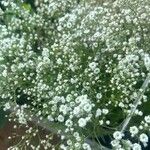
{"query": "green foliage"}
(3, 118)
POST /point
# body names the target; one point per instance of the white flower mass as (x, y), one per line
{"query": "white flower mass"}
(83, 65)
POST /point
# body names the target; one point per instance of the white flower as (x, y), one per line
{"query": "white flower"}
(13, 68)
(69, 142)
(63, 147)
(59, 61)
(121, 104)
(5, 3)
(143, 138)
(92, 65)
(133, 130)
(45, 52)
(82, 122)
(77, 145)
(76, 110)
(121, 149)
(76, 134)
(50, 118)
(60, 118)
(69, 123)
(45, 105)
(147, 61)
(63, 109)
(86, 146)
(87, 107)
(98, 95)
(4, 73)
(108, 122)
(101, 122)
(6, 106)
(21, 116)
(147, 119)
(81, 99)
(115, 143)
(98, 112)
(105, 111)
(73, 80)
(136, 146)
(96, 70)
(117, 135)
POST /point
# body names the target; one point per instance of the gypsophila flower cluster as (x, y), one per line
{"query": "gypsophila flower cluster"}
(79, 64)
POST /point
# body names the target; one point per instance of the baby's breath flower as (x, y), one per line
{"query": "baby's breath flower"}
(115, 143)
(98, 95)
(136, 146)
(117, 135)
(76, 110)
(105, 111)
(143, 138)
(61, 118)
(134, 130)
(4, 73)
(87, 107)
(147, 119)
(92, 65)
(69, 123)
(50, 118)
(86, 146)
(98, 112)
(7, 106)
(82, 122)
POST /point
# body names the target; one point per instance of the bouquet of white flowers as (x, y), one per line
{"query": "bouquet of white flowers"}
(82, 65)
